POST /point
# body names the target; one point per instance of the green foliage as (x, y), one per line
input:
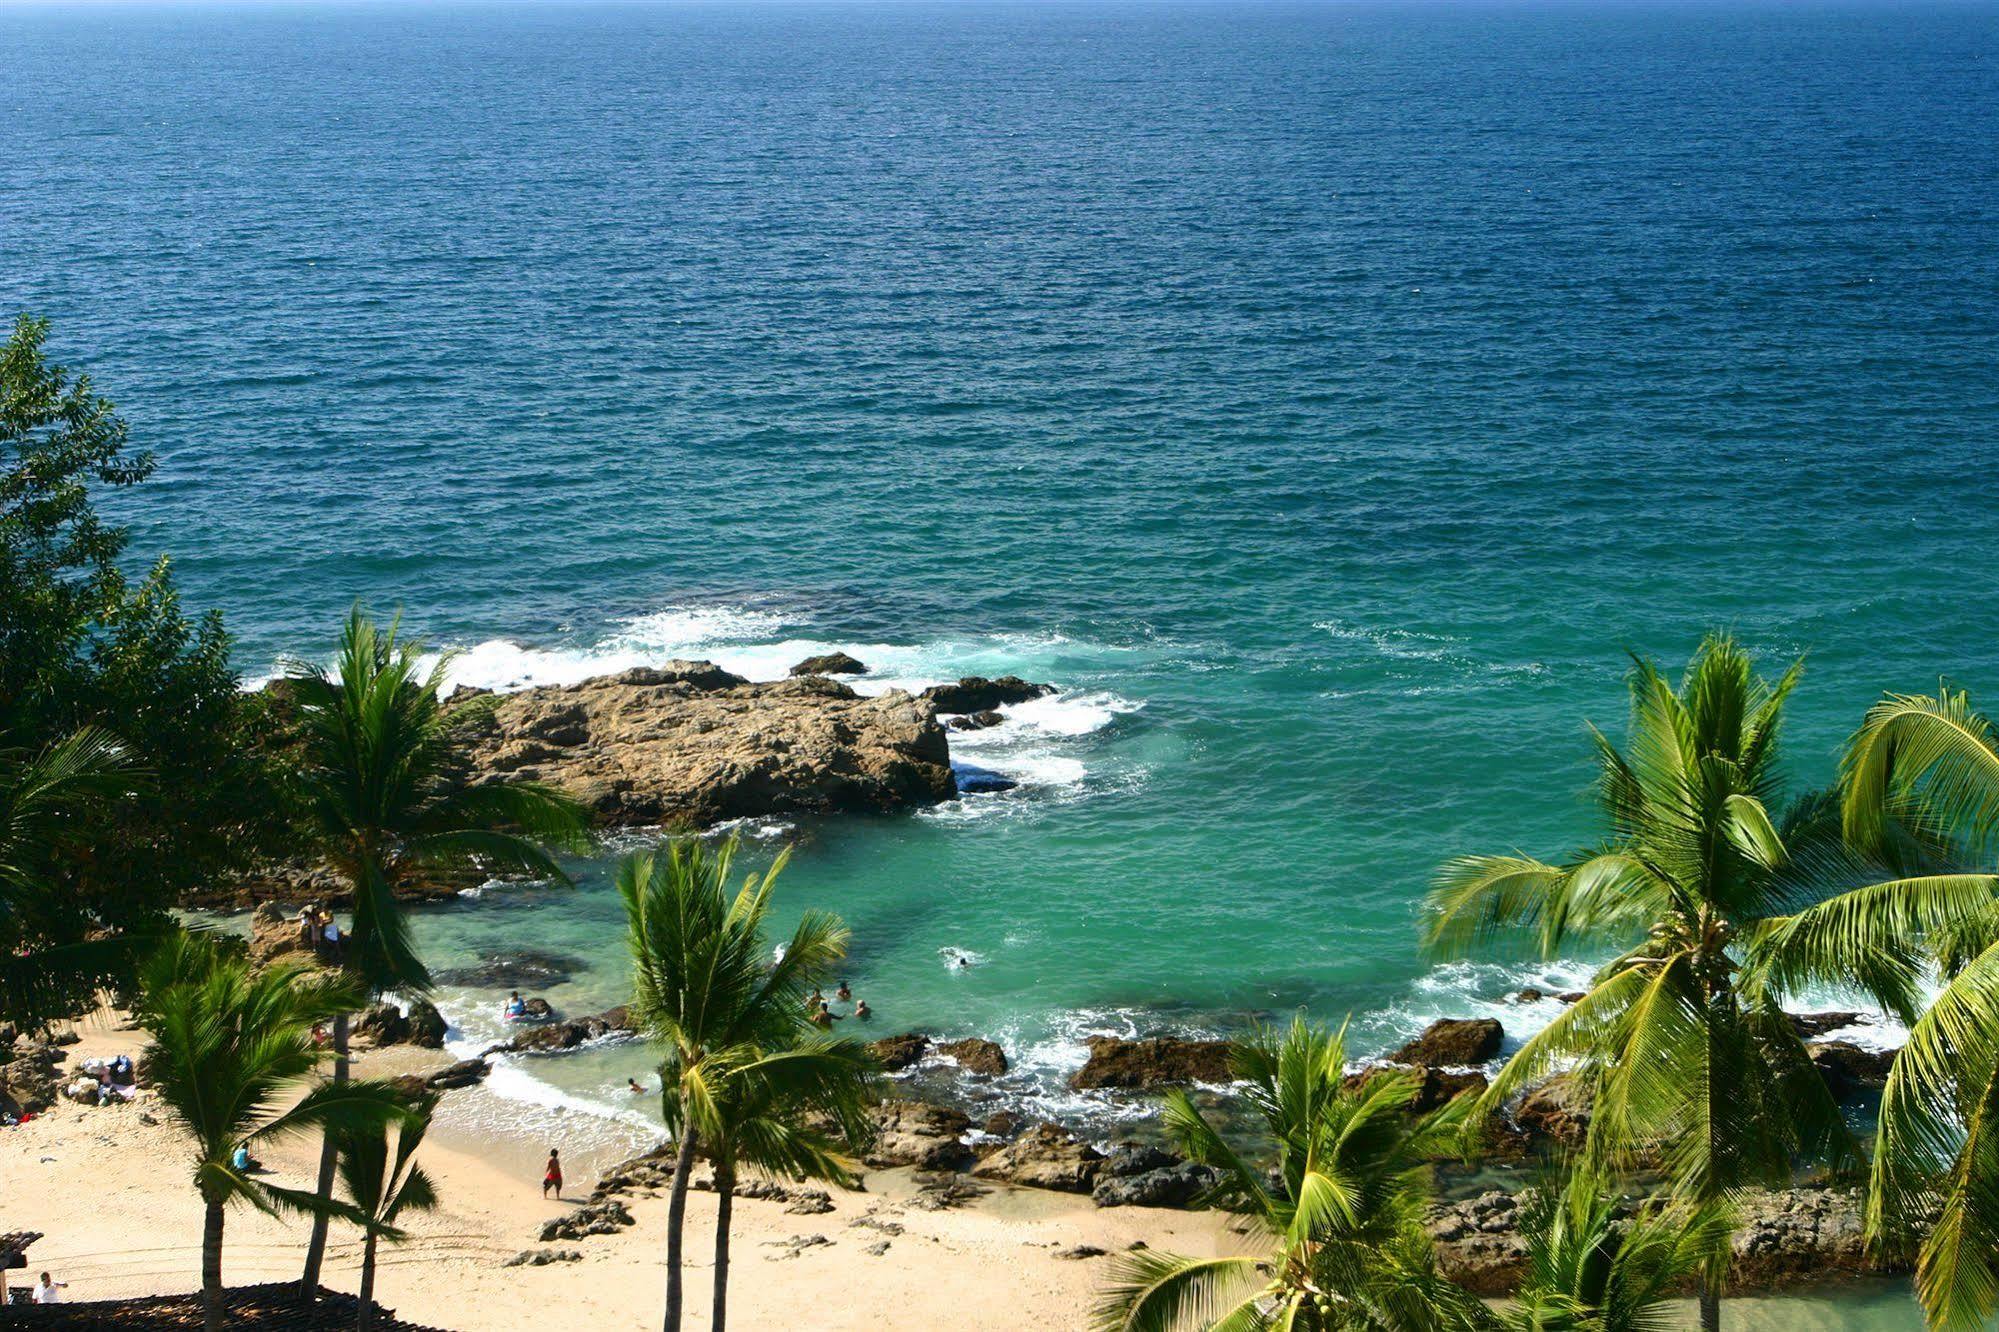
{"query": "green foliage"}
(380, 790)
(378, 1169)
(81, 646)
(1592, 1270)
(1341, 1210)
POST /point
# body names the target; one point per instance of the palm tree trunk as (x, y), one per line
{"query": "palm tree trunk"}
(1711, 1304)
(211, 1267)
(315, 1251)
(676, 1223)
(725, 1207)
(367, 1301)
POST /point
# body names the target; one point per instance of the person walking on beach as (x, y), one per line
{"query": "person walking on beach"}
(551, 1178)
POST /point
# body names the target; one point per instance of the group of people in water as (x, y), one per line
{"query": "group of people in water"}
(820, 1011)
(319, 932)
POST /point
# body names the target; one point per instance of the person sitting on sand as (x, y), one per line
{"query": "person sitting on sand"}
(551, 1178)
(242, 1162)
(862, 1011)
(843, 994)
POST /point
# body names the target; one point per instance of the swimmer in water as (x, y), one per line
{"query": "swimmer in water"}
(862, 1011)
(843, 994)
(633, 1084)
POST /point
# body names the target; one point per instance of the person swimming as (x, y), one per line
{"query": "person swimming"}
(862, 1011)
(516, 1006)
(843, 994)
(633, 1085)
(815, 1000)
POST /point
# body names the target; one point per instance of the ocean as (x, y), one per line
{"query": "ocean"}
(1326, 397)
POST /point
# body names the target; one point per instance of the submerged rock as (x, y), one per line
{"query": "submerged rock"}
(975, 693)
(690, 744)
(1158, 1061)
(514, 969)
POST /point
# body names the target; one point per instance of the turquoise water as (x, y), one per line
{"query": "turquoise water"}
(1325, 397)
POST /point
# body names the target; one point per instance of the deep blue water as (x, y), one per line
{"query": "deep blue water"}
(1326, 396)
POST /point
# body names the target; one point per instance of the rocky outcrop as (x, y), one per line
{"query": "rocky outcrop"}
(1453, 1043)
(897, 1053)
(387, 1024)
(976, 1056)
(831, 663)
(275, 934)
(1555, 1112)
(1783, 1238)
(975, 721)
(1812, 1025)
(597, 1218)
(292, 884)
(551, 1037)
(917, 1133)
(975, 693)
(690, 744)
(1139, 1176)
(1047, 1156)
(31, 1080)
(1849, 1068)
(1435, 1087)
(1159, 1061)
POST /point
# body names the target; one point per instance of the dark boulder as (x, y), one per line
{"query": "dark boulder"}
(831, 663)
(1557, 1111)
(976, 721)
(515, 969)
(1849, 1068)
(599, 1218)
(976, 1056)
(1453, 1043)
(975, 693)
(539, 1009)
(464, 1073)
(980, 781)
(897, 1053)
(1158, 1061)
(1813, 1025)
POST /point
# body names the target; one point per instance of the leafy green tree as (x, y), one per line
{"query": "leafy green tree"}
(384, 1181)
(790, 1113)
(1591, 1270)
(81, 646)
(384, 801)
(1342, 1210)
(707, 990)
(1689, 1057)
(50, 965)
(229, 1042)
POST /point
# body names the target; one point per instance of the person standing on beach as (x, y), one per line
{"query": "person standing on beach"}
(308, 928)
(552, 1177)
(50, 1290)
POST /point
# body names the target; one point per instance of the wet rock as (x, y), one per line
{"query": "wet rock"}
(1159, 1061)
(538, 1009)
(552, 1037)
(1453, 1043)
(831, 663)
(917, 1133)
(1812, 1025)
(1849, 1068)
(1530, 995)
(387, 1024)
(977, 1056)
(897, 1053)
(1435, 1087)
(514, 969)
(692, 745)
(464, 1073)
(975, 693)
(980, 781)
(597, 1218)
(1047, 1156)
(1572, 996)
(976, 721)
(1002, 1124)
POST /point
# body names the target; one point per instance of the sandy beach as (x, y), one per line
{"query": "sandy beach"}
(111, 1193)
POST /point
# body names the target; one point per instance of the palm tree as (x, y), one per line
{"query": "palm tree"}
(49, 966)
(384, 1182)
(770, 1112)
(1926, 767)
(705, 989)
(1590, 1270)
(228, 1043)
(1688, 1056)
(384, 805)
(1341, 1211)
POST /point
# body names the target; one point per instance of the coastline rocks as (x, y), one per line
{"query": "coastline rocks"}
(831, 663)
(1479, 1244)
(897, 1053)
(976, 1056)
(386, 1024)
(543, 1257)
(464, 1073)
(274, 934)
(1047, 1156)
(598, 1218)
(1140, 1176)
(975, 721)
(975, 693)
(1812, 1025)
(1435, 1088)
(690, 744)
(31, 1081)
(1157, 1061)
(1849, 1068)
(979, 781)
(550, 1037)
(298, 882)
(1556, 1111)
(1453, 1043)
(917, 1133)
